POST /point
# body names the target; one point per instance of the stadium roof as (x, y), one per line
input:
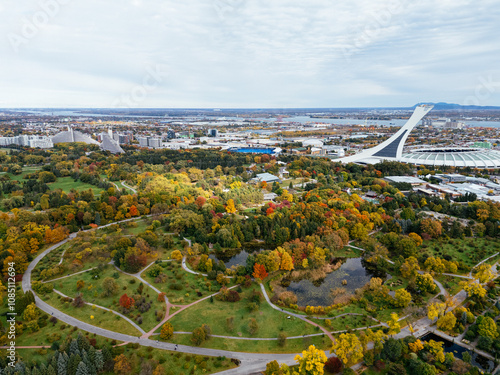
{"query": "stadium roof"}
(456, 157)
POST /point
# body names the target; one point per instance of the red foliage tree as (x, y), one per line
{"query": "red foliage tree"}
(126, 301)
(134, 211)
(333, 365)
(200, 201)
(259, 271)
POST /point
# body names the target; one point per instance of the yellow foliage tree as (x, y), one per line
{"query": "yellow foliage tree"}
(312, 361)
(176, 255)
(416, 346)
(484, 273)
(167, 331)
(435, 310)
(436, 348)
(286, 262)
(348, 348)
(447, 321)
(394, 325)
(230, 208)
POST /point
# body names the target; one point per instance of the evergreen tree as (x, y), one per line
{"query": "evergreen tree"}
(73, 347)
(99, 361)
(62, 364)
(73, 362)
(50, 370)
(97, 218)
(82, 369)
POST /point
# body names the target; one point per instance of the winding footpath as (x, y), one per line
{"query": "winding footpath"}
(249, 362)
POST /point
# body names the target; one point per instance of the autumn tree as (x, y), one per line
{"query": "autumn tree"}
(230, 208)
(432, 227)
(311, 362)
(402, 298)
(410, 268)
(176, 255)
(435, 310)
(126, 301)
(122, 365)
(425, 283)
(488, 328)
(394, 325)
(286, 262)
(259, 271)
(447, 321)
(474, 290)
(484, 273)
(348, 348)
(167, 331)
(109, 286)
(436, 348)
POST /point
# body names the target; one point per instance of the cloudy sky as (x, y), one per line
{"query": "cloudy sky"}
(248, 53)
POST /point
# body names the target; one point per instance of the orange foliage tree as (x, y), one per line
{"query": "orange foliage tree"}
(259, 271)
(126, 301)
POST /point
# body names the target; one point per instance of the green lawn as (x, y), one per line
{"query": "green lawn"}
(92, 293)
(271, 322)
(67, 183)
(470, 251)
(347, 322)
(192, 287)
(348, 252)
(258, 346)
(103, 319)
(450, 283)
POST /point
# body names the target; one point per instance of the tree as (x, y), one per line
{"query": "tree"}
(167, 331)
(488, 328)
(484, 273)
(133, 211)
(394, 325)
(198, 336)
(415, 237)
(333, 365)
(82, 369)
(402, 298)
(31, 312)
(409, 268)
(416, 346)
(80, 284)
(312, 361)
(109, 286)
(253, 326)
(425, 283)
(447, 321)
(126, 301)
(392, 350)
(436, 348)
(435, 310)
(230, 208)
(432, 227)
(286, 262)
(348, 348)
(474, 290)
(122, 365)
(176, 255)
(259, 271)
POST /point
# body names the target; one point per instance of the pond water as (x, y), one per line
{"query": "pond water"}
(354, 270)
(231, 259)
(449, 347)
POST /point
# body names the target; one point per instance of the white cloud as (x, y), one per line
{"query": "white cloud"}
(249, 53)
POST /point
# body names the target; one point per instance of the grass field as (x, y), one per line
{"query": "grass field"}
(450, 283)
(92, 293)
(102, 318)
(271, 322)
(258, 346)
(470, 251)
(346, 322)
(192, 287)
(67, 183)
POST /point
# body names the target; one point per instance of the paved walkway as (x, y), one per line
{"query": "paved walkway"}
(129, 187)
(70, 275)
(106, 309)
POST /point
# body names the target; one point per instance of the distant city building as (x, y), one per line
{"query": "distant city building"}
(170, 134)
(71, 136)
(109, 144)
(150, 142)
(266, 177)
(35, 141)
(213, 133)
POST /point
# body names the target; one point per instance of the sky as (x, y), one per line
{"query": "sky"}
(248, 53)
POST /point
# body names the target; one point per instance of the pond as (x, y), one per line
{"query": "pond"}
(479, 361)
(354, 271)
(231, 259)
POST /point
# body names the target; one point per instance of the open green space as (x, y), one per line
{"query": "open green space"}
(348, 252)
(470, 251)
(218, 313)
(450, 283)
(181, 287)
(103, 319)
(66, 184)
(92, 292)
(346, 322)
(258, 346)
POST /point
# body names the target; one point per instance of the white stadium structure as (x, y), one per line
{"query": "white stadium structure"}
(392, 149)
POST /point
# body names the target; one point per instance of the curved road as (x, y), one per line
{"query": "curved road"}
(250, 362)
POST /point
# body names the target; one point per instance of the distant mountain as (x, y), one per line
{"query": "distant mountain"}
(451, 106)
